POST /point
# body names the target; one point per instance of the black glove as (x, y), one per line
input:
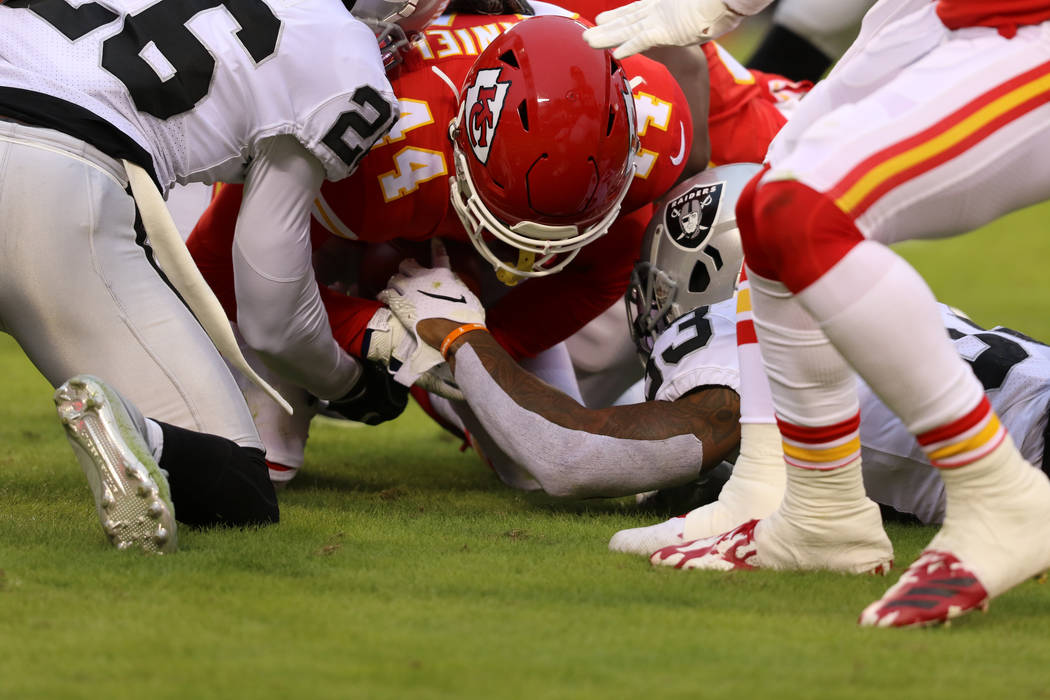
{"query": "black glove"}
(375, 399)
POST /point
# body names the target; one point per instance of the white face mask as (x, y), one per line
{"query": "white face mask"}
(543, 250)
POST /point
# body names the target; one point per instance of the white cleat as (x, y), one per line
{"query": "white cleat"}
(753, 491)
(646, 540)
(741, 500)
(131, 493)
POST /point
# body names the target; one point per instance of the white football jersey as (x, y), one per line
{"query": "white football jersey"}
(700, 349)
(197, 83)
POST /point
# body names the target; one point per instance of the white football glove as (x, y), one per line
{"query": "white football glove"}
(644, 24)
(417, 293)
(389, 340)
(387, 335)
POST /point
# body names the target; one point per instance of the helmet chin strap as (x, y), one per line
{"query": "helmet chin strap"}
(526, 258)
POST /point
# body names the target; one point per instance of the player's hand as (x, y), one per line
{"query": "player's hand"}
(386, 335)
(375, 399)
(418, 293)
(644, 24)
(389, 341)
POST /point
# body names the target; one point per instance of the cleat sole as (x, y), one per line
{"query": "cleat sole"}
(131, 495)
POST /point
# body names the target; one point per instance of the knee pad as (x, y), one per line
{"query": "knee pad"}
(794, 234)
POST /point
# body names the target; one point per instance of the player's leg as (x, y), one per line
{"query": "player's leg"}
(923, 156)
(756, 486)
(604, 358)
(283, 435)
(80, 296)
(554, 366)
(825, 520)
(93, 301)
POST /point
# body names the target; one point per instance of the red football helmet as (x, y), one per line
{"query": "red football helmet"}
(544, 143)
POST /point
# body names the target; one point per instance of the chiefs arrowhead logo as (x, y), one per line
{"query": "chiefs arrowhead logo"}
(482, 109)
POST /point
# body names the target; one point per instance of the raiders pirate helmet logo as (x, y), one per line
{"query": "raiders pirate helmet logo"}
(482, 109)
(689, 218)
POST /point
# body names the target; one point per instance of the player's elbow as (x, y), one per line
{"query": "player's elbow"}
(265, 338)
(565, 488)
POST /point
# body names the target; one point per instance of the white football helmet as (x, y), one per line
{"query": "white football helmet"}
(691, 253)
(397, 22)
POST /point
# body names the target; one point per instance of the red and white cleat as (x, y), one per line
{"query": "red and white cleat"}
(733, 550)
(935, 589)
(852, 542)
(995, 536)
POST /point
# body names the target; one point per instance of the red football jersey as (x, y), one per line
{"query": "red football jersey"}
(408, 171)
(400, 192)
(742, 116)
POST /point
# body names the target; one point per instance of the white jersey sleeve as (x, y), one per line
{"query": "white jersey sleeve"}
(698, 349)
(197, 85)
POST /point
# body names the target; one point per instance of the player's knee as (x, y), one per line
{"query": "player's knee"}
(252, 499)
(795, 233)
(215, 481)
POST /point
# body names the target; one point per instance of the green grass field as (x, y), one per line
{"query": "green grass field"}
(402, 568)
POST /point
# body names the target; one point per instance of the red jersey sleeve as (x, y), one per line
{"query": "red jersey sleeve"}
(211, 244)
(743, 115)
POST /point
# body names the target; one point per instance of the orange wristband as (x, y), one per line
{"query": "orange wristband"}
(455, 333)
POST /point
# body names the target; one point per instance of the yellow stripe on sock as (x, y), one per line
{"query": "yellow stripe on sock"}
(743, 300)
(822, 455)
(989, 431)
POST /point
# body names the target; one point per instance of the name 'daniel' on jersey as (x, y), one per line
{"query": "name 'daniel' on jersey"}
(482, 109)
(689, 217)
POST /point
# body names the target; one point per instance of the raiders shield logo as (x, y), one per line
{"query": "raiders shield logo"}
(689, 217)
(482, 109)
